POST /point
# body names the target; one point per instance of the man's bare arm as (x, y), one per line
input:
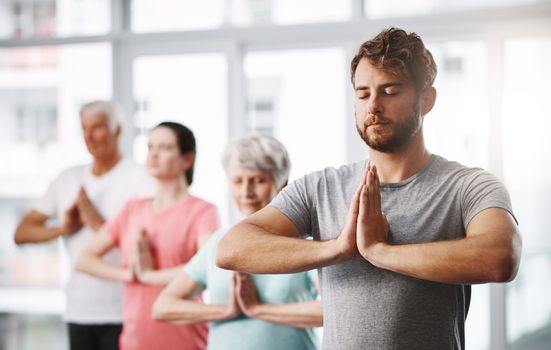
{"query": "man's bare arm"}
(268, 242)
(490, 252)
(33, 229)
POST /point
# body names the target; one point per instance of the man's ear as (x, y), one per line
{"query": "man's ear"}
(428, 98)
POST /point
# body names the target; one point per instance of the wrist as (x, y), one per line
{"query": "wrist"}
(227, 312)
(60, 231)
(375, 253)
(127, 275)
(340, 251)
(97, 224)
(146, 276)
(255, 311)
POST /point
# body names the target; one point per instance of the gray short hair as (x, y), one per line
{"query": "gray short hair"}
(108, 109)
(259, 152)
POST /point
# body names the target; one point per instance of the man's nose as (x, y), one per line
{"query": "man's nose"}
(374, 105)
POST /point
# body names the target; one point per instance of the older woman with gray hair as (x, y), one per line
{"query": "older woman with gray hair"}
(246, 312)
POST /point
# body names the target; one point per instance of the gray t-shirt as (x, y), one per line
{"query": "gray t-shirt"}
(371, 308)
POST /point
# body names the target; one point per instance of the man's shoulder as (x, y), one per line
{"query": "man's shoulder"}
(442, 165)
(455, 173)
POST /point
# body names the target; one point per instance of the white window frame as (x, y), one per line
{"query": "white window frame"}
(492, 26)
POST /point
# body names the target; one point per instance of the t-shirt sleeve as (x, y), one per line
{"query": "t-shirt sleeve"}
(116, 225)
(483, 190)
(294, 201)
(197, 267)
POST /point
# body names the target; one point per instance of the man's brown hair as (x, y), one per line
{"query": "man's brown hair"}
(399, 52)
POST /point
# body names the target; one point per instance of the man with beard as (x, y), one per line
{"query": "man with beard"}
(398, 238)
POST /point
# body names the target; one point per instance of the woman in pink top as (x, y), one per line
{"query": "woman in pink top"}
(156, 236)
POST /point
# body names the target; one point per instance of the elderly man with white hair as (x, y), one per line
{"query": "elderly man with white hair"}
(82, 198)
(246, 312)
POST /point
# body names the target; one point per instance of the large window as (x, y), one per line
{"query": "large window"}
(41, 91)
(190, 89)
(50, 18)
(411, 8)
(457, 127)
(173, 15)
(527, 169)
(292, 95)
(228, 67)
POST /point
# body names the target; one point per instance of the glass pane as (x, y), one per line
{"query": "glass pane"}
(32, 332)
(41, 91)
(399, 8)
(192, 90)
(51, 18)
(250, 12)
(461, 78)
(173, 15)
(299, 95)
(527, 162)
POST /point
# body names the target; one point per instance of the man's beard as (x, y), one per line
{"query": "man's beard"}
(400, 135)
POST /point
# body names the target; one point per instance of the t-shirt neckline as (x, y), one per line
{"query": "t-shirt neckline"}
(402, 183)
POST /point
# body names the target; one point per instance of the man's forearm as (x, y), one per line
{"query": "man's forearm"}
(469, 260)
(32, 233)
(249, 248)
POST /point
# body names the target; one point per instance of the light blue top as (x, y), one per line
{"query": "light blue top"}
(248, 333)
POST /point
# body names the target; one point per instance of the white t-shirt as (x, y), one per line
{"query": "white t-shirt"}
(92, 300)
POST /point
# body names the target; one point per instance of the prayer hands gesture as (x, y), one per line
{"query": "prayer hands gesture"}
(372, 225)
(143, 261)
(246, 293)
(71, 222)
(365, 224)
(243, 296)
(233, 310)
(89, 214)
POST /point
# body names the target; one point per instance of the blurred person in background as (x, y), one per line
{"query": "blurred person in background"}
(156, 236)
(82, 198)
(246, 312)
